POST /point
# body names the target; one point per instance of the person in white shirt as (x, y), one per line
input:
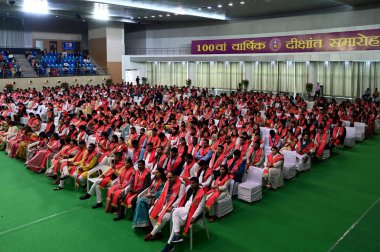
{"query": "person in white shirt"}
(190, 209)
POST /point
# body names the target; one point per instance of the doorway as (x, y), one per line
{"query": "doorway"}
(131, 75)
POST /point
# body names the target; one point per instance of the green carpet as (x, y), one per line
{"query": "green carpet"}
(310, 213)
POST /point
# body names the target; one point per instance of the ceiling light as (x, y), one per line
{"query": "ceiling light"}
(162, 8)
(168, 15)
(125, 20)
(231, 4)
(220, 6)
(84, 20)
(199, 8)
(36, 6)
(101, 12)
(160, 15)
(242, 2)
(56, 16)
(153, 16)
(209, 7)
(138, 17)
(145, 17)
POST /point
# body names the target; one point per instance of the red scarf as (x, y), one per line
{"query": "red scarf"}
(215, 164)
(110, 172)
(275, 142)
(236, 166)
(159, 205)
(186, 171)
(197, 199)
(152, 156)
(321, 143)
(171, 167)
(257, 155)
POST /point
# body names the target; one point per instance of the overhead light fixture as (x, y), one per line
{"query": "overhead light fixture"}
(231, 4)
(220, 6)
(199, 8)
(153, 16)
(125, 20)
(36, 6)
(138, 17)
(101, 12)
(160, 15)
(242, 2)
(162, 8)
(145, 17)
(168, 15)
(209, 7)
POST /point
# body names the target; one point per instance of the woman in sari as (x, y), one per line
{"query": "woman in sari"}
(67, 151)
(42, 141)
(219, 190)
(13, 129)
(14, 139)
(38, 162)
(20, 138)
(116, 192)
(141, 214)
(109, 148)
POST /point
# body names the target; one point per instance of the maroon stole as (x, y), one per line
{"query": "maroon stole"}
(159, 205)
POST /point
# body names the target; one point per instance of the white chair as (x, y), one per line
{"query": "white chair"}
(29, 149)
(349, 140)
(289, 170)
(346, 123)
(224, 206)
(91, 139)
(95, 171)
(326, 154)
(304, 162)
(377, 125)
(250, 190)
(359, 131)
(142, 193)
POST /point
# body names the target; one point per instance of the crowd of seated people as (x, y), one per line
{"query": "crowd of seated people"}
(172, 154)
(8, 65)
(59, 64)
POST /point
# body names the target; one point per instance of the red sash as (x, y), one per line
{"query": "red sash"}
(171, 167)
(137, 185)
(275, 142)
(215, 164)
(215, 193)
(274, 159)
(306, 149)
(204, 151)
(186, 171)
(257, 155)
(151, 157)
(321, 143)
(236, 166)
(197, 199)
(160, 207)
(108, 176)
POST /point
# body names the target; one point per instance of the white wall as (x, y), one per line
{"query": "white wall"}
(115, 42)
(38, 83)
(174, 36)
(56, 36)
(127, 64)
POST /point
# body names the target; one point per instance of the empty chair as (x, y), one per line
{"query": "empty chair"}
(349, 140)
(250, 190)
(289, 169)
(359, 131)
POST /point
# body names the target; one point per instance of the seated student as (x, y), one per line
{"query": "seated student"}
(272, 171)
(80, 168)
(12, 129)
(105, 180)
(173, 163)
(255, 155)
(274, 139)
(305, 150)
(218, 191)
(338, 134)
(29, 154)
(160, 213)
(191, 207)
(38, 162)
(141, 214)
(204, 153)
(321, 142)
(236, 166)
(217, 159)
(190, 169)
(139, 183)
(117, 191)
(69, 150)
(205, 175)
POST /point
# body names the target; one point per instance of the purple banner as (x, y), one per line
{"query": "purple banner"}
(319, 42)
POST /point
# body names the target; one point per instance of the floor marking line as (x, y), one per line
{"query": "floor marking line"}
(37, 221)
(353, 225)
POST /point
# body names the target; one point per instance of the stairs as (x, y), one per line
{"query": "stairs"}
(26, 68)
(100, 70)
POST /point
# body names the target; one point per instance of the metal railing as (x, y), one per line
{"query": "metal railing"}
(6, 74)
(158, 51)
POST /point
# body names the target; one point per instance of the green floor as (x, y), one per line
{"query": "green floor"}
(311, 213)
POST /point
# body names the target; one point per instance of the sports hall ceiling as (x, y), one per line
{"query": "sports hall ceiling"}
(166, 11)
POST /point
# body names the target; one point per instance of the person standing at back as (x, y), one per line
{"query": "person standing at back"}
(137, 80)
